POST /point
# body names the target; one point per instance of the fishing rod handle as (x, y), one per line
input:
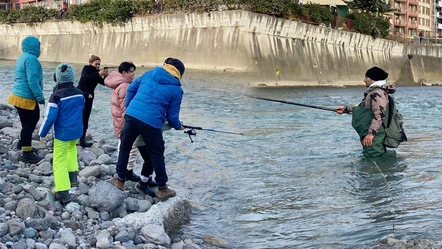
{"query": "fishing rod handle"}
(192, 127)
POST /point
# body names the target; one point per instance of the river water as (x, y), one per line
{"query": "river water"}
(296, 178)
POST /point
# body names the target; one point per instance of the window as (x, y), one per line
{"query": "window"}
(17, 6)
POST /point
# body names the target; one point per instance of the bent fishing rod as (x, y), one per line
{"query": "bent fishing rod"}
(294, 103)
(192, 132)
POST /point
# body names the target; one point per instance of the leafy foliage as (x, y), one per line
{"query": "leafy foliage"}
(369, 6)
(370, 25)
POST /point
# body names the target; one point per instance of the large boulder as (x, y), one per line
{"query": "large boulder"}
(105, 197)
(170, 215)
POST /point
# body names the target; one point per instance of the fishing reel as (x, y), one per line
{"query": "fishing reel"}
(191, 133)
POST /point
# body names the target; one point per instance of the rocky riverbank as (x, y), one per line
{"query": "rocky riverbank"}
(100, 216)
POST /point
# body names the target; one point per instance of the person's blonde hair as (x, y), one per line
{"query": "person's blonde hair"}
(94, 58)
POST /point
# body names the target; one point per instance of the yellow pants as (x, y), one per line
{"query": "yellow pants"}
(65, 161)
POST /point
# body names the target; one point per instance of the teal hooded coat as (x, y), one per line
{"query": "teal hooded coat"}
(28, 71)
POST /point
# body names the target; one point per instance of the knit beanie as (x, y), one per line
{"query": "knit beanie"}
(64, 73)
(376, 74)
(177, 64)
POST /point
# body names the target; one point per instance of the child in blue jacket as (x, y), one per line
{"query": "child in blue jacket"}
(64, 112)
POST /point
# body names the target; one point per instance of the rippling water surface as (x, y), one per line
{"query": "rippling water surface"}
(296, 179)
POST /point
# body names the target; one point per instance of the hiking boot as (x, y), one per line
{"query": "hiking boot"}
(31, 157)
(85, 144)
(131, 176)
(144, 189)
(118, 183)
(73, 179)
(164, 194)
(63, 197)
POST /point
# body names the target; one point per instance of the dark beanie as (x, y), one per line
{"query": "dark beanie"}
(177, 64)
(376, 74)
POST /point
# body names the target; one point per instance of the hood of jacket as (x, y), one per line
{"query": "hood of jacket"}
(114, 79)
(31, 45)
(382, 84)
(164, 77)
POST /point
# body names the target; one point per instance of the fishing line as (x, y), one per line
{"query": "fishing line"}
(392, 196)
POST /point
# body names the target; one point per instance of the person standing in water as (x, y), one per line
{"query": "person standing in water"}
(369, 116)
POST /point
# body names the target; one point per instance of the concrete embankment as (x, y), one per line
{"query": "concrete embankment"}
(278, 51)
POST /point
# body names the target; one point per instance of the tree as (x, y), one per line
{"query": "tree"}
(373, 7)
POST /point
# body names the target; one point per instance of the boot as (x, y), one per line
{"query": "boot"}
(85, 144)
(118, 183)
(131, 176)
(73, 179)
(63, 197)
(144, 189)
(31, 157)
(164, 193)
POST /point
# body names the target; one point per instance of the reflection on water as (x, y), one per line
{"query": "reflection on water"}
(296, 179)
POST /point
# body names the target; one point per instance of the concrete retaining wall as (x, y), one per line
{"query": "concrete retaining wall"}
(276, 50)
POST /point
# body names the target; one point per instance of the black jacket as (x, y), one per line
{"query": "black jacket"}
(89, 80)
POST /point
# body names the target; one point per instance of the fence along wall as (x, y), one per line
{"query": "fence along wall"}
(239, 40)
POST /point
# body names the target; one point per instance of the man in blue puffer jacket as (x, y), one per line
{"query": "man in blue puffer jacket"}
(152, 99)
(65, 109)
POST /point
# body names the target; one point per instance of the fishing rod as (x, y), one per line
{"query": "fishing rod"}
(294, 103)
(192, 132)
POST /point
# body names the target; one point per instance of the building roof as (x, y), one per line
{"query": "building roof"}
(326, 2)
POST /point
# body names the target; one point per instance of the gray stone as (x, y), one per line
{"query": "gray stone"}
(105, 159)
(82, 188)
(17, 189)
(4, 229)
(30, 243)
(14, 227)
(132, 204)
(214, 240)
(45, 168)
(3, 149)
(122, 236)
(72, 206)
(68, 237)
(105, 197)
(9, 131)
(19, 244)
(14, 156)
(26, 209)
(156, 235)
(38, 195)
(29, 232)
(51, 221)
(57, 246)
(4, 122)
(90, 171)
(35, 178)
(87, 156)
(39, 245)
(84, 200)
(22, 172)
(12, 205)
(39, 145)
(65, 215)
(103, 239)
(37, 224)
(91, 213)
(7, 164)
(143, 205)
(170, 214)
(104, 216)
(77, 215)
(178, 245)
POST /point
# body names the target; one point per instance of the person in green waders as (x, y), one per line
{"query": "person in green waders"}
(368, 117)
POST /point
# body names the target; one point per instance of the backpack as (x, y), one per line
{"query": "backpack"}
(394, 130)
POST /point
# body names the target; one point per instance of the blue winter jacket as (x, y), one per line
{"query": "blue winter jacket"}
(28, 71)
(154, 98)
(65, 112)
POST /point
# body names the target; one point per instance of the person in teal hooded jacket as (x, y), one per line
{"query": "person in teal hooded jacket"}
(27, 93)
